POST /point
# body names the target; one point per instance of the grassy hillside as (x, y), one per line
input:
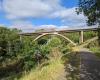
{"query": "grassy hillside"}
(53, 71)
(39, 60)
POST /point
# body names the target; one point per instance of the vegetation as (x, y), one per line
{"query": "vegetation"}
(52, 71)
(48, 57)
(91, 9)
(21, 59)
(96, 50)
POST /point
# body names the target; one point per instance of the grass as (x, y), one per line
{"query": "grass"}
(52, 71)
(96, 50)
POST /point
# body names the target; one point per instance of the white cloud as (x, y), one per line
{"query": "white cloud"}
(2, 25)
(47, 26)
(70, 17)
(30, 8)
(26, 26)
(23, 9)
(22, 25)
(62, 27)
(53, 27)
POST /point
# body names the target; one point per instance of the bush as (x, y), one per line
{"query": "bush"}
(42, 41)
(96, 50)
(54, 42)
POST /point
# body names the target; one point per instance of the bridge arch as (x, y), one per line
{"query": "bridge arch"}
(55, 33)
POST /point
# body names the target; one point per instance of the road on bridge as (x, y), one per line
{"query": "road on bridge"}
(90, 66)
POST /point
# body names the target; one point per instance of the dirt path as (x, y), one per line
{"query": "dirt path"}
(90, 66)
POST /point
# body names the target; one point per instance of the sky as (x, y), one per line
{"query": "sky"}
(34, 14)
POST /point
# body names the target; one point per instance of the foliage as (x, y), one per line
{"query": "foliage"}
(42, 41)
(9, 44)
(45, 49)
(28, 49)
(65, 49)
(49, 72)
(13, 51)
(96, 50)
(93, 44)
(54, 42)
(89, 35)
(91, 9)
(16, 54)
(73, 36)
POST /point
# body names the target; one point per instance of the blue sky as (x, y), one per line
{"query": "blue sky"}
(40, 13)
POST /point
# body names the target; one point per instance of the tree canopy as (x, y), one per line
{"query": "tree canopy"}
(91, 9)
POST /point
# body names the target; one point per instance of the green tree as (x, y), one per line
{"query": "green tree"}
(91, 9)
(9, 43)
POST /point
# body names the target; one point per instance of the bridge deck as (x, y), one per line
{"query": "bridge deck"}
(65, 30)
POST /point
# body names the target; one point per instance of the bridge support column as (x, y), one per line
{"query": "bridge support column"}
(81, 40)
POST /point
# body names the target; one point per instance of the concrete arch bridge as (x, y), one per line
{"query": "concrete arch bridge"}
(81, 31)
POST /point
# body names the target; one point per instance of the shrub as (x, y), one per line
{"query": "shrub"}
(54, 42)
